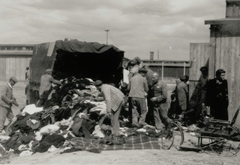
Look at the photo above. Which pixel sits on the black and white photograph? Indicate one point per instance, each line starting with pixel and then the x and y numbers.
pixel 128 82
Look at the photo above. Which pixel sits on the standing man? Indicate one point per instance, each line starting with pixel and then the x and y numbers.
pixel 27 88
pixel 202 89
pixel 45 86
pixel 27 74
pixel 217 96
pixel 182 95
pixel 133 68
pixel 114 100
pixel 159 101
pixel 138 91
pixel 6 102
pixel 150 116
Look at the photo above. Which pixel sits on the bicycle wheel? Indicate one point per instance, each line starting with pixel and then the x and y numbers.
pixel 178 134
pixel 173 137
pixel 167 139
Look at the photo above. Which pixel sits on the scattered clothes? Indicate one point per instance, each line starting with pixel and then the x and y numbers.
pixel 47 141
pixel 52 148
pixel 71 150
pixel 22 147
pixel 34 124
pixel 3 138
pixel 192 128
pixel 26 139
pixel 26 153
pixel 13 142
pixel 141 130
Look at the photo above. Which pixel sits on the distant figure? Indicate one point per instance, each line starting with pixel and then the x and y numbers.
pixel 138 91
pixel 159 101
pixel 27 88
pixel 217 96
pixel 45 86
pixel 6 102
pixel 114 100
pixel 27 74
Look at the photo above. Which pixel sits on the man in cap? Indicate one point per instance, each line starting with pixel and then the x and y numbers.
pixel 6 102
pixel 159 101
pixel 138 87
pixel 114 100
pixel 134 66
pixel 45 85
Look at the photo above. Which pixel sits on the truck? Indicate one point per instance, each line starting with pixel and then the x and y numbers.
pixel 75 58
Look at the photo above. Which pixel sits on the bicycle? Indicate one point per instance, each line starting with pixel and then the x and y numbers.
pixel 174 135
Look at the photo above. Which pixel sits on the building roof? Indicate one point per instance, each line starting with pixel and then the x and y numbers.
pixel 223 21
pixel 167 63
pixel 16 52
pixel 232 0
pixel 16 44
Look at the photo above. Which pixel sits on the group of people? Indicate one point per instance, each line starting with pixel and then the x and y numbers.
pixel 144 89
pixel 147 97
pixel 210 98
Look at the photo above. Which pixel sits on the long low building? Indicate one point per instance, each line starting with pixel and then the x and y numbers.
pixel 169 68
pixel 14 58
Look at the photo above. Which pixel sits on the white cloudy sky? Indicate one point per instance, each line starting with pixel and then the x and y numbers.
pixel 136 26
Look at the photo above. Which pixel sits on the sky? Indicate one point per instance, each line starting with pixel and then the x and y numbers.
pixel 165 27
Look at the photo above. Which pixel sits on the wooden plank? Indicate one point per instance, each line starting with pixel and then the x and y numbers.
pixel 199 56
pixel 2 68
pixel 237 76
pixel 230 74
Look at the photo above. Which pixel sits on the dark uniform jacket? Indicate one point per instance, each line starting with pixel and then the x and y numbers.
pixel 217 98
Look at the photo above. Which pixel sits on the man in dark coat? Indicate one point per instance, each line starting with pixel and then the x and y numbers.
pixel 159 101
pixel 217 96
pixel 182 95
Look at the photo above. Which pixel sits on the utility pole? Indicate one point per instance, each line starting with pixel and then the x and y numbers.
pixel 107 30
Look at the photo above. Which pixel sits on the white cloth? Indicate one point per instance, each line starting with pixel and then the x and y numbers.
pixel 100 107
pixel 31 109
pixel 49 129
pixel 125 76
pixel 98 132
pixel 26 153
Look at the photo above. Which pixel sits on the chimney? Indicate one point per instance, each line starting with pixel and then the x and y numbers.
pixel 151 55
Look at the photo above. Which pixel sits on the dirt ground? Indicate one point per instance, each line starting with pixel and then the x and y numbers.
pixel 166 157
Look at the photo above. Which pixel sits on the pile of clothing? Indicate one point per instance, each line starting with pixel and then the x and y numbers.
pixel 71 115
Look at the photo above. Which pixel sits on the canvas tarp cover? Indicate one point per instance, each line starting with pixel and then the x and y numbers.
pixel 75 46
pixel 45 56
